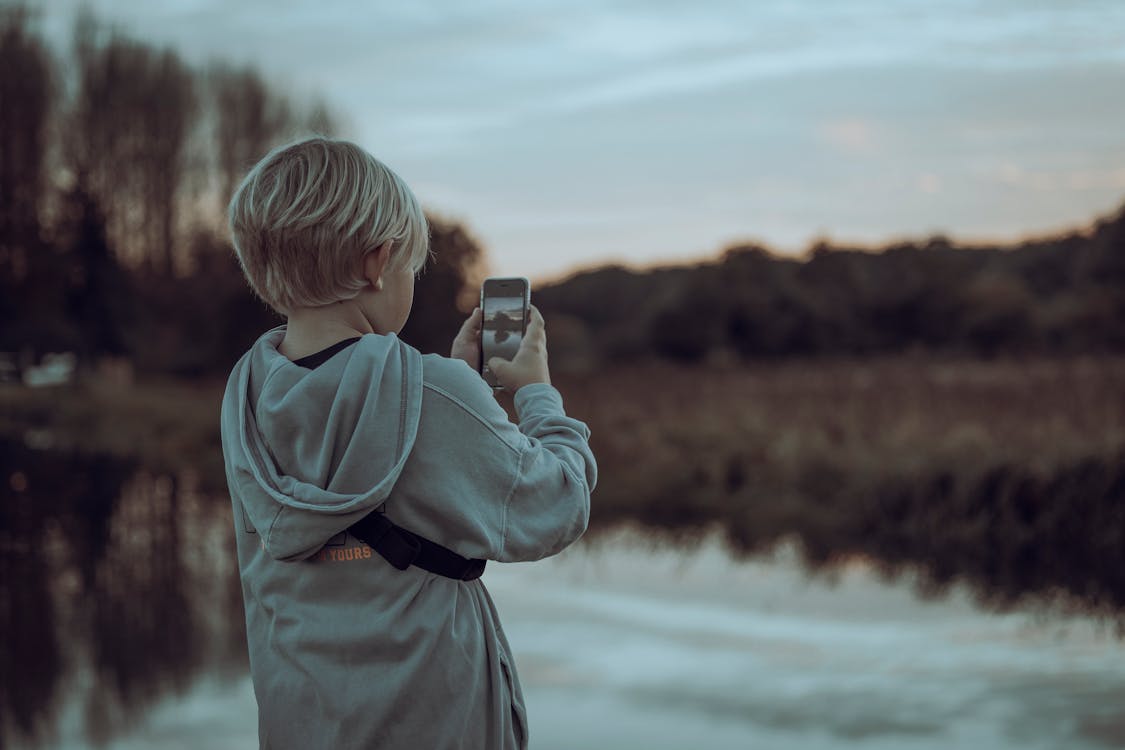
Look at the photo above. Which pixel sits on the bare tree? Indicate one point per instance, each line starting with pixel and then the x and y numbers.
pixel 27 91
pixel 133 112
pixel 249 120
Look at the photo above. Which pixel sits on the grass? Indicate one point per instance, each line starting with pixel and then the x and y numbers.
pixel 165 424
pixel 1007 475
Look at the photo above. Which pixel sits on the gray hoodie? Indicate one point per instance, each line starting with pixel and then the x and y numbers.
pixel 347 651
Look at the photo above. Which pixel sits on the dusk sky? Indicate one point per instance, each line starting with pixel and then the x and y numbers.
pixel 570 134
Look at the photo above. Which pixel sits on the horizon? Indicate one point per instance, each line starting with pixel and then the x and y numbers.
pixel 645 136
pixel 843 245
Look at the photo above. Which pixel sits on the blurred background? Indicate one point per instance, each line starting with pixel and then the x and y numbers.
pixel 839 288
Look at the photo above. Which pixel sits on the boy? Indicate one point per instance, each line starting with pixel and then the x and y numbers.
pixel 370 483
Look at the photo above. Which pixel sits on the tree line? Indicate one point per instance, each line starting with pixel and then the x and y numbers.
pixel 1056 295
pixel 117 159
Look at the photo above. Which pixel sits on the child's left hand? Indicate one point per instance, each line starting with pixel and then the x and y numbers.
pixel 466 346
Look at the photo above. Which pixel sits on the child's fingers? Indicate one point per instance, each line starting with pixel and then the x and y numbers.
pixel 536 328
pixel 530 363
pixel 498 366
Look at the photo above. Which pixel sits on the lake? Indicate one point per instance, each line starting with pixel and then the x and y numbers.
pixel 122 619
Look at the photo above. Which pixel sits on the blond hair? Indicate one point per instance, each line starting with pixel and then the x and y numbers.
pixel 306 215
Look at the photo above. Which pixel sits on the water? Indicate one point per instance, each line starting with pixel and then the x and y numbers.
pixel 121 618
pixel 655 648
pixel 623 645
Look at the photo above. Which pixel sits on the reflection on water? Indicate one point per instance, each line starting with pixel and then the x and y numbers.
pixel 121 624
pixel 656 648
pixel 117 587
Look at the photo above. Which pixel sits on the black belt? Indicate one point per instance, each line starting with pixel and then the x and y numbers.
pixel 402 548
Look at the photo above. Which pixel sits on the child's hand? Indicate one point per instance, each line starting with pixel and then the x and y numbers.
pixel 530 363
pixel 466 346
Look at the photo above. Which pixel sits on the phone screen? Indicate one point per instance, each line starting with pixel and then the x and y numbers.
pixel 504 304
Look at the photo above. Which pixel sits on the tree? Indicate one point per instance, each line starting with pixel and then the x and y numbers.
pixel 249 119
pixel 134 110
pixel 27 94
pixel 99 294
pixel 447 290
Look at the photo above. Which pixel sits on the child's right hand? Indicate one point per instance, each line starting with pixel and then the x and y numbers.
pixel 530 363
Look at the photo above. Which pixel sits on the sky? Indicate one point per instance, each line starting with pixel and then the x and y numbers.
pixel 570 134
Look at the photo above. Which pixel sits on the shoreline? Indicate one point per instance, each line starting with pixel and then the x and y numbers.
pixel 1005 474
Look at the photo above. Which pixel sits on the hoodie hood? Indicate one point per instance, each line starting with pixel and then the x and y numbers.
pixel 313 451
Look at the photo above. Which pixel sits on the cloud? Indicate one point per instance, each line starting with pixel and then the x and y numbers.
pixel 929 183
pixel 854 136
pixel 1091 178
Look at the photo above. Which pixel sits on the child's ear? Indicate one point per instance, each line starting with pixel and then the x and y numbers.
pixel 375 262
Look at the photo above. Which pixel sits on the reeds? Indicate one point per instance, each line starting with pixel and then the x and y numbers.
pixel 1008 475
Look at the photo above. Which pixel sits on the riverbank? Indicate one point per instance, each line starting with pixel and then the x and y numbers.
pixel 166 425
pixel 1006 474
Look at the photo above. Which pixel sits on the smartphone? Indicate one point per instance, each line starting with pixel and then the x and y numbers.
pixel 505 303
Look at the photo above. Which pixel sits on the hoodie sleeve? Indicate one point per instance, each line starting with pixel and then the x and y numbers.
pixel 548 506
pixel 516 492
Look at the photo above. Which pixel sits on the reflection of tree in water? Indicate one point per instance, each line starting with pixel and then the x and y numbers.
pixel 504 326
pixel 31 657
pixel 141 611
pixel 95 557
